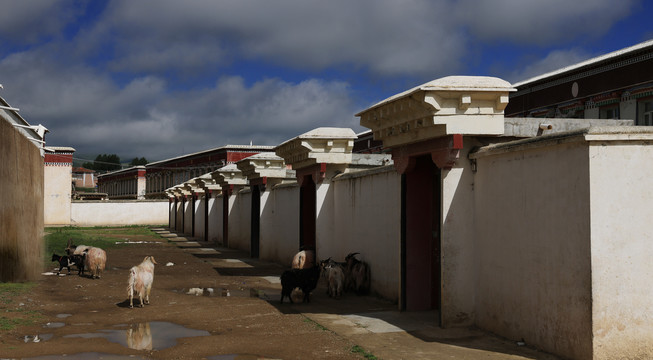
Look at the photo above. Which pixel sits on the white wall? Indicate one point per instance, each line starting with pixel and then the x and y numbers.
pixel 219 210
pixel 532 221
pixel 119 212
pixel 279 232
pixel 325 221
pixel 215 221
pixel 179 217
pixel 199 217
pixel 621 197
pixel 367 219
pixel 57 194
pixel 240 220
pixel 457 240
pixel 188 217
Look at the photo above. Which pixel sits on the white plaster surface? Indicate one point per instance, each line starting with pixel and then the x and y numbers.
pixel 57 194
pixel 95 213
pixel 366 219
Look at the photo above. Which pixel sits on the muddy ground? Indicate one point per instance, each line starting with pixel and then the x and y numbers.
pixel 86 318
pixel 241 318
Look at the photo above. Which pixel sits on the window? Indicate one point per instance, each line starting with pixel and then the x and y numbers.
pixel 646 113
pixel 609 113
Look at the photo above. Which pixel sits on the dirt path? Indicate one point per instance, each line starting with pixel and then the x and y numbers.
pixel 242 319
pixel 91 317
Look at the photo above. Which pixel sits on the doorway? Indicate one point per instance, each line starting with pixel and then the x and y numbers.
pixel 255 231
pixel 307 213
pixel 420 240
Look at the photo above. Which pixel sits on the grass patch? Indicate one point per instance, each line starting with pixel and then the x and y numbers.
pixel 317 326
pixel 12 313
pixel 103 237
pixel 359 350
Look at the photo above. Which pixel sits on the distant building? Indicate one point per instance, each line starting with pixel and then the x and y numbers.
pixel 123 184
pixel 57 190
pixel 365 144
pixel 617 85
pixel 84 178
pixel 164 174
pixel 151 180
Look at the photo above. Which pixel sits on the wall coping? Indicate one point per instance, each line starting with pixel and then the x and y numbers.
pixel 604 134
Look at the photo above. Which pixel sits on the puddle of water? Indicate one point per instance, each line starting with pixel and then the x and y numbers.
pixel 155 335
pixel 63 316
pixel 37 338
pixel 86 356
pixel 54 325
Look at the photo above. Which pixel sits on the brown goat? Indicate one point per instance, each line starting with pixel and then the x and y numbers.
pixel 141 278
pixel 357 275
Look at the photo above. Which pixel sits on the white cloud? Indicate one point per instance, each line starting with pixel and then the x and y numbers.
pixel 87 110
pixel 387 37
pixel 540 22
pixel 555 60
pixel 27 21
pixel 108 89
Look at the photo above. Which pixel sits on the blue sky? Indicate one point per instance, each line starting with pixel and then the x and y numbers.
pixel 159 79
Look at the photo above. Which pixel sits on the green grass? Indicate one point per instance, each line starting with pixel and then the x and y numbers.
pixel 318 326
pixel 8 304
pixel 56 239
pixel 359 350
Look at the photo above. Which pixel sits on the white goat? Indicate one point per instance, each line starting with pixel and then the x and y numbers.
pixel 141 278
pixel 95 261
pixel 139 337
pixel 335 277
pixel 303 260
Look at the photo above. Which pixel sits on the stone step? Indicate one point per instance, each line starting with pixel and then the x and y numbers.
pixel 201 251
pixel 188 244
pixel 172 235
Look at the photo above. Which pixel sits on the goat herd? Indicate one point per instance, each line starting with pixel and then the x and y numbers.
pixel 94 260
pixel 350 275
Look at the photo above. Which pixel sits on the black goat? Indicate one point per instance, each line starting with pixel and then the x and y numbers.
pixel 305 279
pixel 78 260
pixel 64 262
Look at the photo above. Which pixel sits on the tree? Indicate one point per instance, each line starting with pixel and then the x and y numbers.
pixel 136 161
pixel 104 162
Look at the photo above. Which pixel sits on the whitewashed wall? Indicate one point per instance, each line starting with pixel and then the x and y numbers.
pixel 179 217
pixel 218 210
pixel 119 212
pixel 200 217
pixel 532 222
pixel 457 238
pixel 188 217
pixel 214 230
pixel 57 194
pixel 622 300
pixel 279 239
pixel 325 221
pixel 367 219
pixel 240 220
